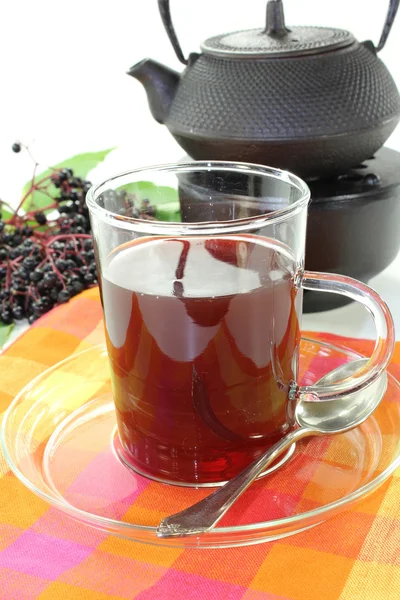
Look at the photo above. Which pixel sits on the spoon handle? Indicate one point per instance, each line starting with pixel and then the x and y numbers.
pixel 203 515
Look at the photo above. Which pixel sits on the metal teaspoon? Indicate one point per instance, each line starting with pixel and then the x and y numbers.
pixel 313 418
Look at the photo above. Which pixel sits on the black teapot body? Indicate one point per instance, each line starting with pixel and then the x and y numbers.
pixel 312 100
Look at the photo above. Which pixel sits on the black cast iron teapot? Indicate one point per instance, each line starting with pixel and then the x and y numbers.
pixel 313 100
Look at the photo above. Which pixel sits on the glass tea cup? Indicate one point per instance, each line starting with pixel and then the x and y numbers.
pixel 201 272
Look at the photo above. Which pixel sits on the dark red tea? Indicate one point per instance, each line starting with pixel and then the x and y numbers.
pixel 202 336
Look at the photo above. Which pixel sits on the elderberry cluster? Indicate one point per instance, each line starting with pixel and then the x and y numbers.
pixel 46 254
pixel 125 204
pixel 71 203
pixel 35 276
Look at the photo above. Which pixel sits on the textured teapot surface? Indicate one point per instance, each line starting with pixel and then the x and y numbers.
pixel 309 99
pixel 337 104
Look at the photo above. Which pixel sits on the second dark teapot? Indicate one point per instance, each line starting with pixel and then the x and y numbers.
pixel 312 100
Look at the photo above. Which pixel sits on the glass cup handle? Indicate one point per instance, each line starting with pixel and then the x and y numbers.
pixel 385 339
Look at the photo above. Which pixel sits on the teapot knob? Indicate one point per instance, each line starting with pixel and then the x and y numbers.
pixel 275 25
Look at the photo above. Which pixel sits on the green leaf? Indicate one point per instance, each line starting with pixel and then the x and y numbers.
pixel 81 164
pixel 5 331
pixel 169 212
pixel 5 210
pixel 164 199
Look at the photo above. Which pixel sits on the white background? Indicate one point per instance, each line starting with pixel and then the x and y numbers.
pixel 64 87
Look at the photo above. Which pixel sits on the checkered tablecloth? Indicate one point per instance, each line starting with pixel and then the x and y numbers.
pixel 46 556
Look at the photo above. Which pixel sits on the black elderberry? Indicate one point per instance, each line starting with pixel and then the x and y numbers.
pixel 49 279
pixel 63 175
pixel 19 286
pixel 88 244
pixel 17 239
pixel 36 275
pixel 55 179
pixel 6 317
pixel 46 303
pixel 88 278
pixel 18 313
pixel 40 218
pixel 79 220
pixel 63 296
pixel 24 251
pixel 73 195
pixel 70 290
pixel 61 265
pixel 70 264
pixel 57 245
pixel 79 262
pixel 77 286
pixel 23 274
pixel 37 308
pixel 64 209
pixel 53 294
pixel 29 263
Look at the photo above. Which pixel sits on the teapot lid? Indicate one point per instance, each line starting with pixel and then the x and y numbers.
pixel 276 40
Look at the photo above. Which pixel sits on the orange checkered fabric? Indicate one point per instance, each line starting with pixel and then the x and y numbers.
pixel 44 555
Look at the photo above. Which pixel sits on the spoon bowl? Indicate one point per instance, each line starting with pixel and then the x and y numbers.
pixel 342 414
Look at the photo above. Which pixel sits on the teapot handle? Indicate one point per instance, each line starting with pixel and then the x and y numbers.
pixel 391 14
pixel 163 6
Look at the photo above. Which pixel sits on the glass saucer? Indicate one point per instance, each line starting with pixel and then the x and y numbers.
pixel 57 437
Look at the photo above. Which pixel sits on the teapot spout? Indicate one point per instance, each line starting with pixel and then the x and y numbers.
pixel 160 83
